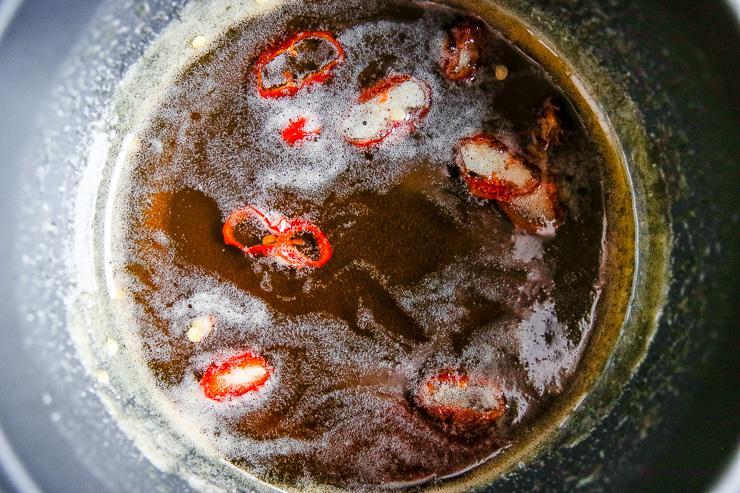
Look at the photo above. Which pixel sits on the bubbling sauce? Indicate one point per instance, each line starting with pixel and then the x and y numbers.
pixel 440 326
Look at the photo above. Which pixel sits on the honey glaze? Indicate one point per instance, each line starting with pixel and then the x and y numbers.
pixel 375 269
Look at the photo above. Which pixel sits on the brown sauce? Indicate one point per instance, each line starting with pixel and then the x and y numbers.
pixel 423 276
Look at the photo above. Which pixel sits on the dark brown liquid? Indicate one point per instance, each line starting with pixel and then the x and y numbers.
pixel 423 276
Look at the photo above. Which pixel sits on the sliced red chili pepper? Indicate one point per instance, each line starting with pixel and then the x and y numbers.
pixel 457 398
pixel 463 50
pixel 227 380
pixel 549 127
pixel 492 171
pixel 538 211
pixel 296 131
pixel 284 241
pixel 310 71
pixel 395 103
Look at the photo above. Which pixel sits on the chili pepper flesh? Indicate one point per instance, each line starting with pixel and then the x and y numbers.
pixel 537 212
pixel 463 51
pixel 291 86
pixel 549 129
pixel 457 399
pixel 528 196
pixel 227 380
pixel 282 243
pixel 492 171
pixel 398 102
pixel 296 131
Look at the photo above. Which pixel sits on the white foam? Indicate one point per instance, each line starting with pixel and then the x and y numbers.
pixel 544 349
pixel 527 246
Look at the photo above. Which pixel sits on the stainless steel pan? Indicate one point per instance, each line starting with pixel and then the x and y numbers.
pixel 668 421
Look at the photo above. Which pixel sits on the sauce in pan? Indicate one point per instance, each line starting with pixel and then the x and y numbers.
pixel 363 247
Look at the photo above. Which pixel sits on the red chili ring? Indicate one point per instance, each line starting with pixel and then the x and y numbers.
pixel 384 86
pixel 290 87
pixel 489 188
pixel 215 389
pixel 456 414
pixel 283 250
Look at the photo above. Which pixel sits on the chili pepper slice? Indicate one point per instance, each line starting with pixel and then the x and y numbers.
pixel 296 131
pixel 275 69
pixel 492 171
pixel 283 241
pixel 227 380
pixel 463 50
pixel 538 211
pixel 456 398
pixel 549 127
pixel 395 103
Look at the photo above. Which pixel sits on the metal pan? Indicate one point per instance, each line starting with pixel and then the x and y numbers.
pixel 670 420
